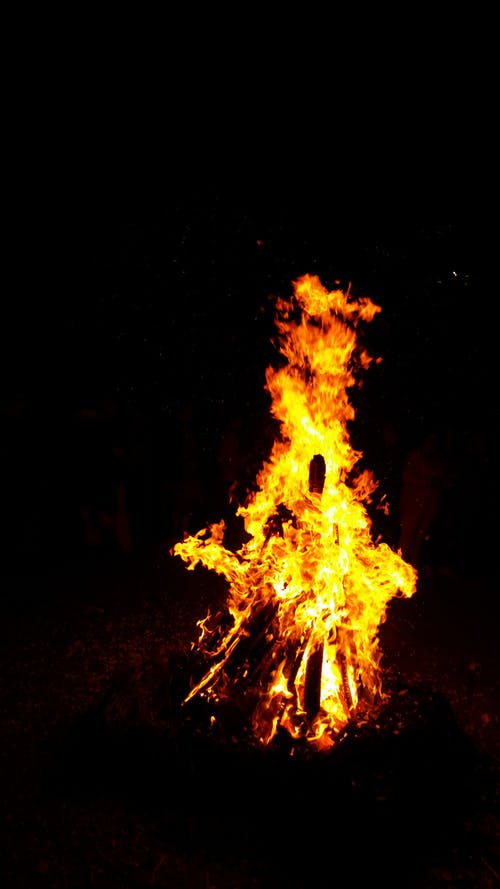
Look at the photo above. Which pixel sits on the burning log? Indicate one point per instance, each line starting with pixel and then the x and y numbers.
pixel 274 524
pixel 342 659
pixel 308 588
pixel 254 641
pixel 317 474
pixel 242 651
pixel 312 684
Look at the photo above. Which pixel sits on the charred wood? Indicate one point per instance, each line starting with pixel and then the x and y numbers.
pixel 252 639
pixel 317 474
pixel 274 524
pixel 312 685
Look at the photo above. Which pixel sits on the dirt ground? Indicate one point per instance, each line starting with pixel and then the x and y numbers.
pixel 105 787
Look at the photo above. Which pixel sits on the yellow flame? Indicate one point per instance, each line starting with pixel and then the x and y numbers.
pixel 309 588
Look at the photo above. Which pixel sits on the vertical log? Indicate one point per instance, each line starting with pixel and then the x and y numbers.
pixel 314 667
pixel 347 700
pixel 317 474
pixel 312 683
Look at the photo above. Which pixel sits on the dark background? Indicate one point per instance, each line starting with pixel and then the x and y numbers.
pixel 135 325
pixel 125 338
pixel 129 347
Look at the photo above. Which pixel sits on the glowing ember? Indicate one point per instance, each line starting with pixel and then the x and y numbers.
pixel 308 590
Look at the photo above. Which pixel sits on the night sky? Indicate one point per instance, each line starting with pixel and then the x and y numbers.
pixel 156 315
pixel 182 307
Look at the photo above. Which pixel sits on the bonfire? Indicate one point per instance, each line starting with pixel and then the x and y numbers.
pixel 296 646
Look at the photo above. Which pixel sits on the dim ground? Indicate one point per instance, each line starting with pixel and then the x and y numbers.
pixel 151 803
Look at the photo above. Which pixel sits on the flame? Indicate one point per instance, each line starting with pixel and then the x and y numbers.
pixel 308 589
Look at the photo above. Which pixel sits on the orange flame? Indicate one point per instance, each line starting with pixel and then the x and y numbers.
pixel 309 588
